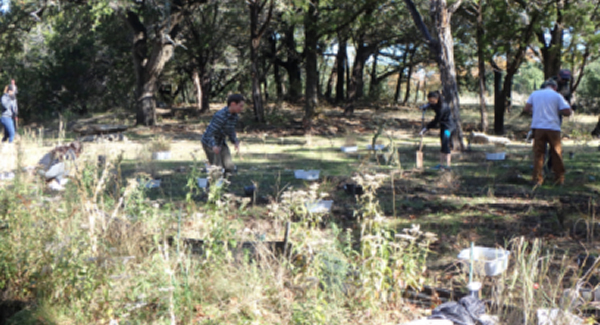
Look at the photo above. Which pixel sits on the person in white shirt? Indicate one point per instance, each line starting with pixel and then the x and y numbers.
pixel 546 105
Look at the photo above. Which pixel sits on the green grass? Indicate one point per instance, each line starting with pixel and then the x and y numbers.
pixel 63 255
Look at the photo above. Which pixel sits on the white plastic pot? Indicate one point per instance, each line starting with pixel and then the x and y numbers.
pixel 495 156
pixel 309 175
pixel 202 182
pixel 323 206
pixel 161 155
pixel 486 261
pixel 153 183
pixel 350 149
pixel 377 147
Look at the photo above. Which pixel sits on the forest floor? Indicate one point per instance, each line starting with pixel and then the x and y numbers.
pixel 490 203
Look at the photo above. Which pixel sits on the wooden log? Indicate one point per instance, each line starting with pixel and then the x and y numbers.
pixel 95 129
pixel 482 138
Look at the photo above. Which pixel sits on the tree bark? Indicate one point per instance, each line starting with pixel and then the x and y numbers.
pixel 198 88
pixel 481 67
pixel 409 77
pixel 332 77
pixel 442 49
pixel 257 30
pixel 276 72
pixel 401 73
pixel 498 103
pixel 552 51
pixel 149 67
pixel 417 92
pixel 363 52
pixel 292 65
pixel 342 61
pixel 374 85
pixel 311 38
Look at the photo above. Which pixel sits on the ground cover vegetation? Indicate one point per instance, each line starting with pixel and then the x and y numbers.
pixel 317 75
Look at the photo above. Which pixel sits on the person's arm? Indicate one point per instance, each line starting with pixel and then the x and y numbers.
pixel 434 123
pixel 528 108
pixel 233 136
pixel 564 107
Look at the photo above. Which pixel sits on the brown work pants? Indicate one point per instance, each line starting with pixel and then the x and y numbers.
pixel 223 159
pixel 541 138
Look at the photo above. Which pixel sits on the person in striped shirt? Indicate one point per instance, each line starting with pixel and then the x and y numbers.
pixel 221 127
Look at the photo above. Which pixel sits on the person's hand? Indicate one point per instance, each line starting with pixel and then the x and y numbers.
pixel 423 131
pixel 237 147
pixel 217 150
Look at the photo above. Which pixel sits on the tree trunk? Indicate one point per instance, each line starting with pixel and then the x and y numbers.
pixel 259 111
pixel 552 51
pixel 374 85
pixel 409 77
pixel 342 61
pixel 206 85
pixel 292 66
pixel 356 89
pixel 401 73
pixel 332 77
pixel 417 92
pixel 498 103
pixel 198 88
pixel 446 63
pixel 311 39
pixel 148 67
pixel 442 49
pixel 481 67
pixel 276 73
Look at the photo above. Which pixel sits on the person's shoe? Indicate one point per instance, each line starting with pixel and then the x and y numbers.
pixel 437 167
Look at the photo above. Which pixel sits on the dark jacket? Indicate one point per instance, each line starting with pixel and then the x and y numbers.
pixel 221 126
pixel 443 117
pixel 9 106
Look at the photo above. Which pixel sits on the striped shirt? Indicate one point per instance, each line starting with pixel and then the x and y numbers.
pixel 221 126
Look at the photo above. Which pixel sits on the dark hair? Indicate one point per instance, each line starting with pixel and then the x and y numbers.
pixel 235 98
pixel 434 94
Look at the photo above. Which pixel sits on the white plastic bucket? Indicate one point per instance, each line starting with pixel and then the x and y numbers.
pixel 377 147
pixel 323 206
pixel 309 175
pixel 202 182
pixel 349 149
pixel 486 261
pixel 161 155
pixel 495 156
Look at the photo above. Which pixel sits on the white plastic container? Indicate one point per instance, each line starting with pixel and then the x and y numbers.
pixel 377 147
pixel 486 261
pixel 161 155
pixel 323 206
pixel 349 149
pixel 310 175
pixel 153 183
pixel 202 182
pixel 495 156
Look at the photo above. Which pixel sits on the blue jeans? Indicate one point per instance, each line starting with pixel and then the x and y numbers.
pixel 9 129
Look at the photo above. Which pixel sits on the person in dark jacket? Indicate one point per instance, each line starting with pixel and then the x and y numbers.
pixel 221 127
pixel 10 113
pixel 444 120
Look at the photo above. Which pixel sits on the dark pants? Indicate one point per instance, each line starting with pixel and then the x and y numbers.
pixel 551 138
pixel 223 159
pixel 9 129
pixel 445 136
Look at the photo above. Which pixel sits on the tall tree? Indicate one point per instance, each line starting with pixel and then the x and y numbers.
pixel 442 49
pixel 152 50
pixel 257 29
